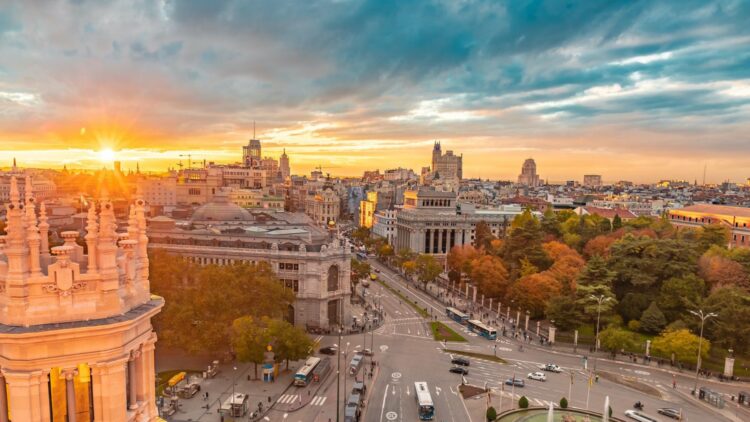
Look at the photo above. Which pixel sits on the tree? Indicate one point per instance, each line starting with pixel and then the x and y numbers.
pixel 721 271
pixel 563 403
pixel 410 268
pixel 359 271
pixel 534 292
pixel 289 342
pixel 491 414
pixel 679 294
pixel 490 275
pixel 459 258
pixel 616 339
pixel 599 246
pixel 588 299
pixel 361 234
pixel 483 236
pixel 524 241
pixel 596 272
pixel 249 340
pixel 652 320
pixel 565 311
pixel 616 222
pixel 523 402
pixel 682 343
pixel 566 267
pixel 550 224
pixel 428 269
pixel 385 251
pixel 631 306
pixel 713 234
pixel 404 255
pixel 730 328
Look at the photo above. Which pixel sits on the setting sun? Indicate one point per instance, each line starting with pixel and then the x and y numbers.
pixel 106 155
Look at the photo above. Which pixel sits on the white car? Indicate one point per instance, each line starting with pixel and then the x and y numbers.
pixel 538 376
pixel 640 417
pixel 551 367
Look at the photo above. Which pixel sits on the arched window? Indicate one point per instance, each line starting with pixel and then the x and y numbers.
pixel 333 278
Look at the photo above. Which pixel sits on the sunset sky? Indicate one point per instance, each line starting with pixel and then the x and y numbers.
pixel 637 90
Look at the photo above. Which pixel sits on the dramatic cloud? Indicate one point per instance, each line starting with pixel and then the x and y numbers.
pixel 631 89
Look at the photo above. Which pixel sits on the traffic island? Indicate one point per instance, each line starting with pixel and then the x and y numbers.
pixel 541 414
pixel 468 391
pixel 441 332
pixel 630 382
pixel 491 358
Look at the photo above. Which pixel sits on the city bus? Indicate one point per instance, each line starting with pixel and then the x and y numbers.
pixel 456 315
pixel 425 407
pixel 305 374
pixel 483 330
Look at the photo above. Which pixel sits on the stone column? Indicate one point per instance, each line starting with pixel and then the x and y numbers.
pixel 110 398
pixel 526 327
pixel 70 394
pixel 148 376
pixel 28 395
pixel 132 382
pixel 3 400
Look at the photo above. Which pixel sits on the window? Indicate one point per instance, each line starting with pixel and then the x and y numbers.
pixel 333 278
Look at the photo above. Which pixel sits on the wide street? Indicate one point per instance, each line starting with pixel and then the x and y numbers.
pixel 405 353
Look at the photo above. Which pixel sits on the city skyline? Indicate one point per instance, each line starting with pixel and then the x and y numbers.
pixel 609 90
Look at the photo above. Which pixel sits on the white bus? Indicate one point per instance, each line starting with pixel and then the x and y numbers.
pixel 305 374
pixel 425 407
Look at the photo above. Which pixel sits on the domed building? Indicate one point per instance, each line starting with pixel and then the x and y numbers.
pixel 220 210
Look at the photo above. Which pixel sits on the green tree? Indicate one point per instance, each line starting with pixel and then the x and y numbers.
pixel 428 269
pixel 631 306
pixel 588 299
pixel 616 222
pixel 410 268
pixel 616 339
pixel 359 271
pixel 491 414
pixel 361 234
pixel 565 311
pixel 652 320
pixel 385 251
pixel 249 340
pixel 289 342
pixel 525 241
pixel 679 294
pixel 682 343
pixel 713 234
pixel 730 328
pixel 596 272
pixel 404 255
pixel 550 224
pixel 523 402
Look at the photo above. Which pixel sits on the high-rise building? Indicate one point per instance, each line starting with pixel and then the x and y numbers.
pixel 446 166
pixel 592 180
pixel 528 176
pixel 251 154
pixel 284 166
pixel 77 341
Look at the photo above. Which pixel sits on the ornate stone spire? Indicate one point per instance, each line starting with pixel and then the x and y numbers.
pixel 32 232
pixel 92 234
pixel 44 230
pixel 132 225
pixel 16 248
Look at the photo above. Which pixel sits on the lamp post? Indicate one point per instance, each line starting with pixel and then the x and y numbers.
pixel 599 299
pixel 338 377
pixel 346 353
pixel 703 318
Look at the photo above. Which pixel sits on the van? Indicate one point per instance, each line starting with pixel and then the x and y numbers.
pixel 355 364
pixel 640 417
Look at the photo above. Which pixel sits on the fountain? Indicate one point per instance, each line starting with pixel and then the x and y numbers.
pixel 605 414
pixel 551 413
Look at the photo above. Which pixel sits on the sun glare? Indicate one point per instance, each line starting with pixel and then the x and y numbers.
pixel 106 155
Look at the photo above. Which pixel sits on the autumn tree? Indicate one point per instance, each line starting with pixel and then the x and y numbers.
pixel 524 241
pixel 720 271
pixel 730 328
pixel 490 275
pixel 359 271
pixel 404 255
pixel 483 236
pixel 713 234
pixel 599 246
pixel 616 339
pixel 460 257
pixel 551 224
pixel 409 268
pixel 682 343
pixel 249 340
pixel 428 269
pixel 533 293
pixel 385 251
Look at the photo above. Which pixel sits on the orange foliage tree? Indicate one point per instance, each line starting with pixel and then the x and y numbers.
pixel 533 292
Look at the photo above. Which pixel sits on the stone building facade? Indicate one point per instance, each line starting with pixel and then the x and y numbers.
pixel 76 340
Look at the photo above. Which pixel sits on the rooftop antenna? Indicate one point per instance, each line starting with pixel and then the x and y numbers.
pixel 253 129
pixel 704 174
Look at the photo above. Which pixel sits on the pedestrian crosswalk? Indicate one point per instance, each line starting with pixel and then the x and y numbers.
pixel 288 398
pixel 318 400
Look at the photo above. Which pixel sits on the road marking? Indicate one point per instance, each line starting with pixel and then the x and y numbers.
pixel 438 390
pixel 385 395
pixel 383 348
pixel 396 375
pixel 286 415
pixel 408 391
pixel 391 416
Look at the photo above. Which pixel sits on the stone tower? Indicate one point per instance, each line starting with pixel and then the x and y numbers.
pixel 76 340
pixel 436 154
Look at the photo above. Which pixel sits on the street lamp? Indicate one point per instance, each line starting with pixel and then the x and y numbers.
pixel 338 377
pixel 703 318
pixel 346 353
pixel 599 299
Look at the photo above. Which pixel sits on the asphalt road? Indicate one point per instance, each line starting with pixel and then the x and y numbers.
pixel 406 353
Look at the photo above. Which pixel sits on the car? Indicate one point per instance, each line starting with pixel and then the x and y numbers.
pixel 537 376
pixel 328 350
pixel 460 361
pixel 669 412
pixel 551 367
pixel 460 370
pixel 640 417
pixel 518 382
pixel 377 270
pixel 366 352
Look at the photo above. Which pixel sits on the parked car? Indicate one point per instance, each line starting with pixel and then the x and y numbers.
pixel 329 350
pixel 551 367
pixel 640 417
pixel 460 361
pixel 518 382
pixel 669 412
pixel 366 352
pixel 460 370
pixel 377 270
pixel 537 376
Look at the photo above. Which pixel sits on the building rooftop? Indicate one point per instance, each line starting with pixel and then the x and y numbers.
pixel 718 210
